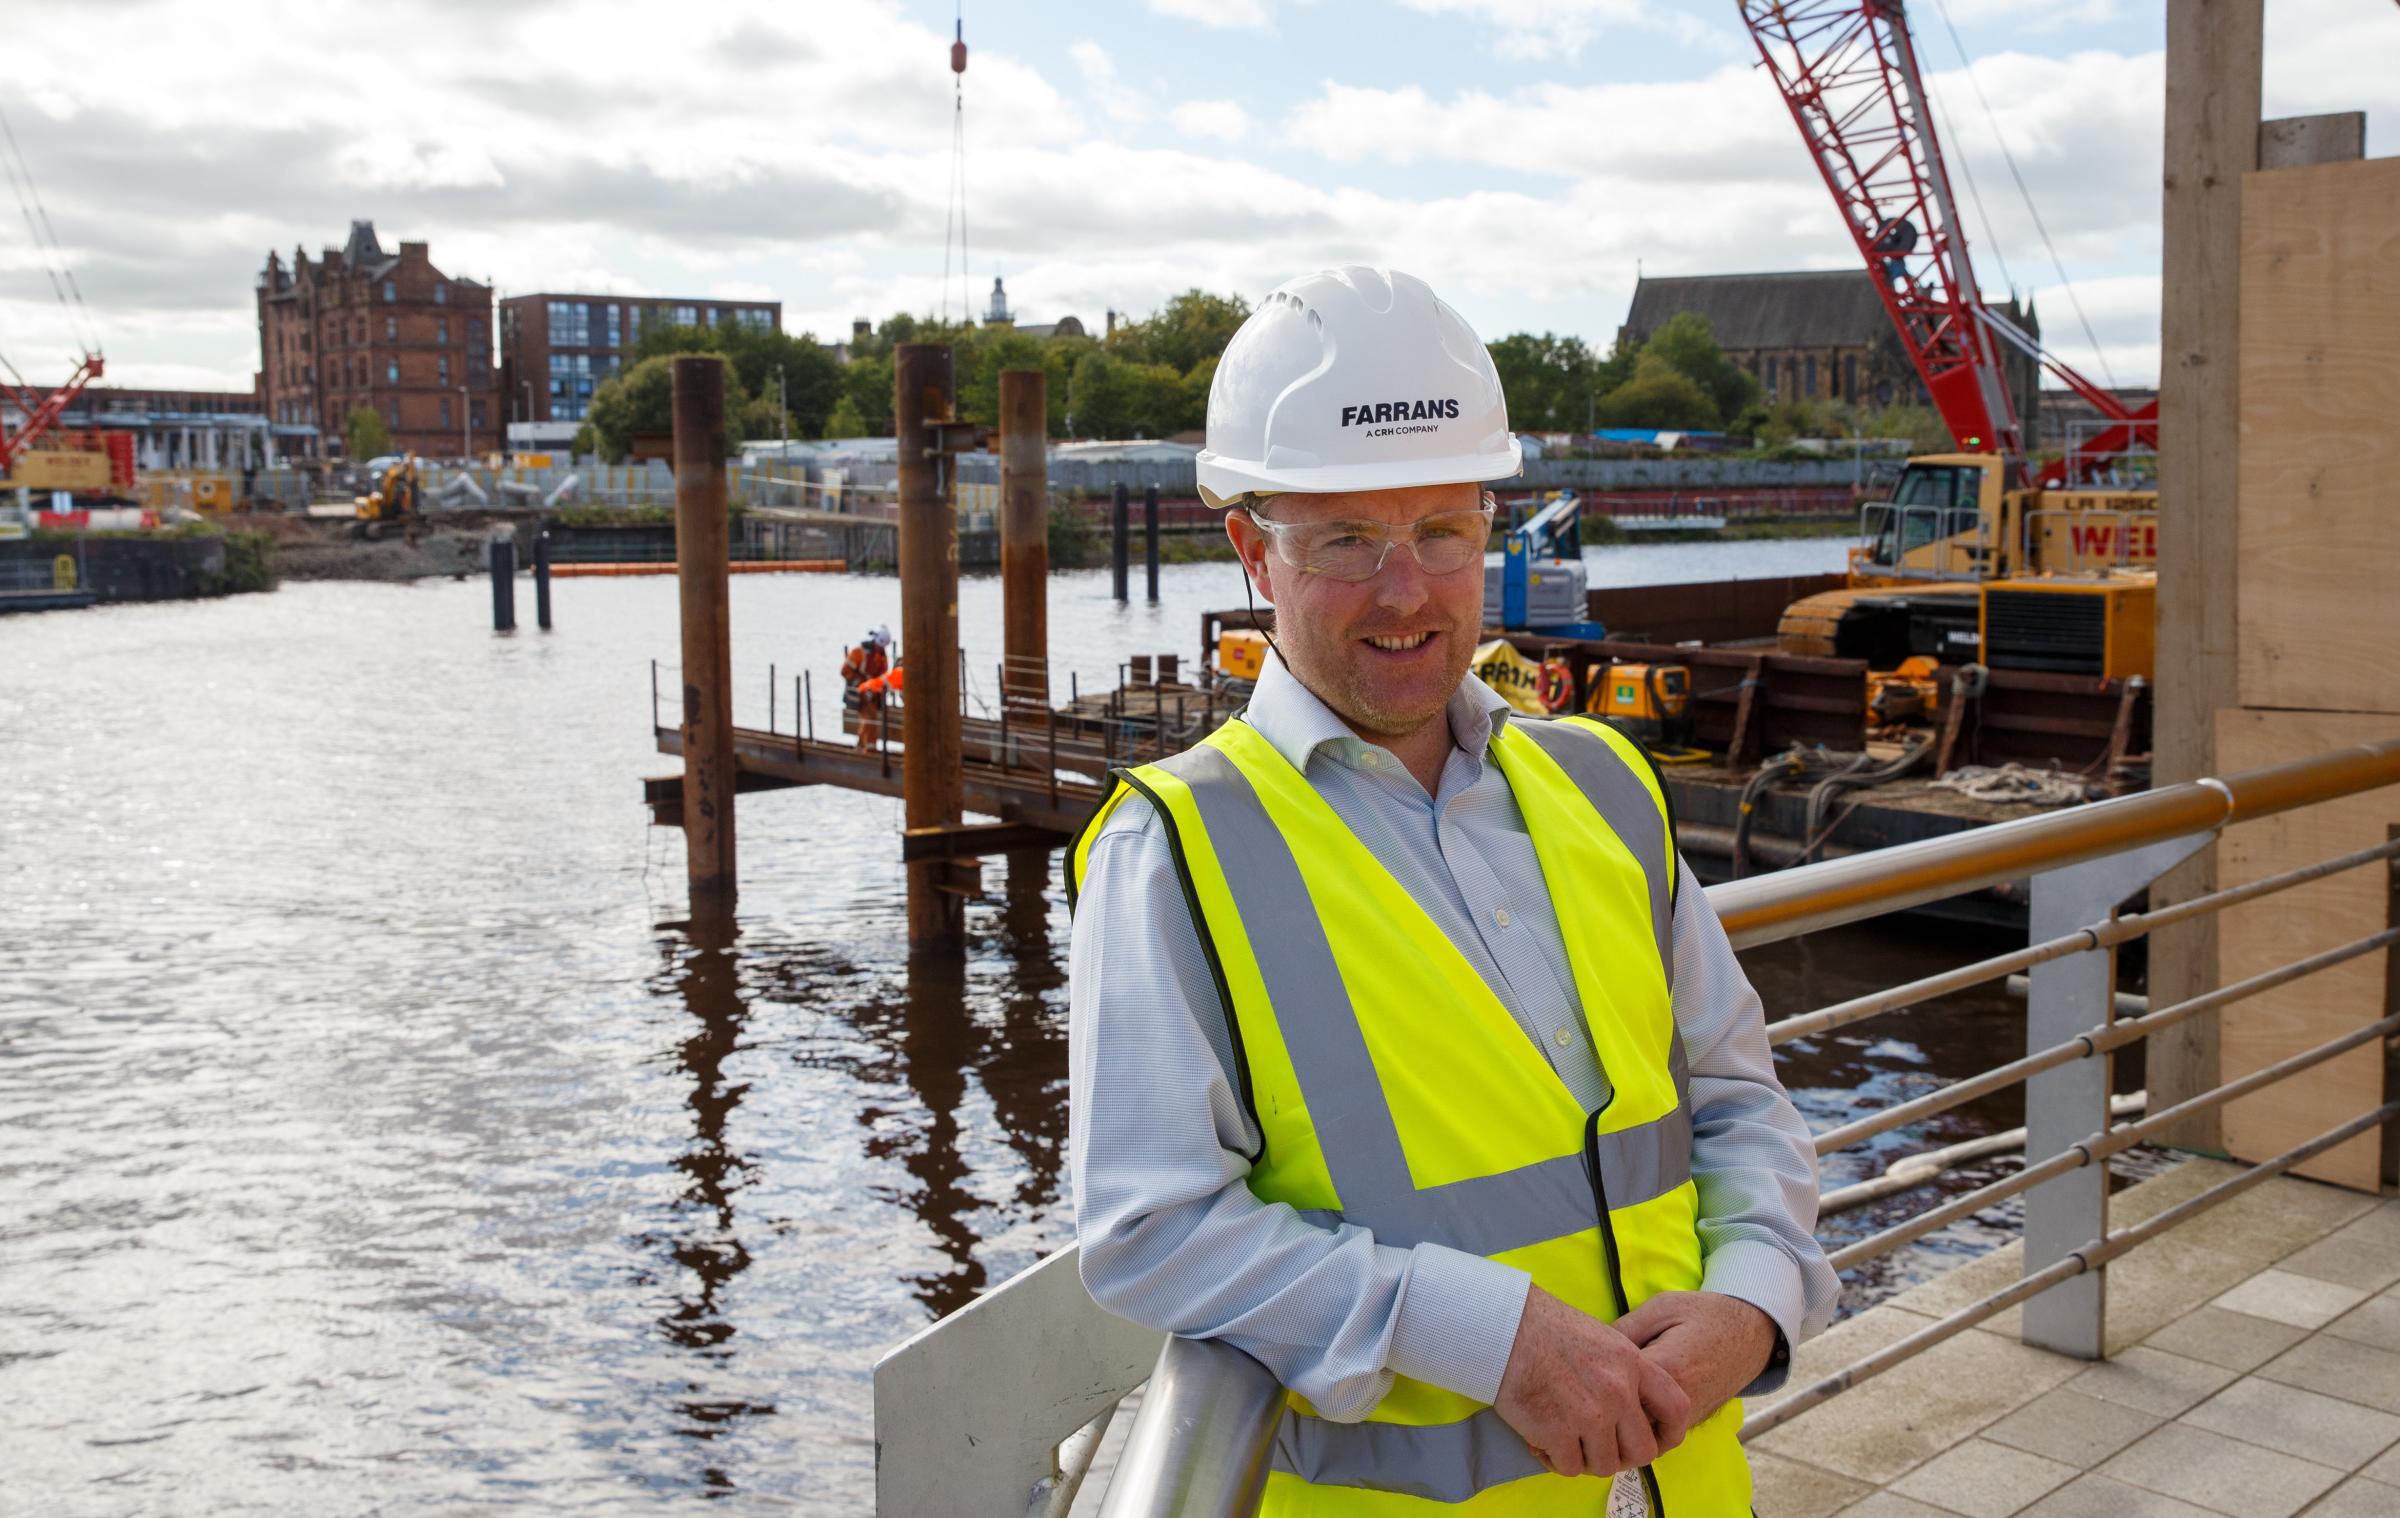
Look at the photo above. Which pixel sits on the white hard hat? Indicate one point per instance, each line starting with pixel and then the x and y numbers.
pixel 1354 379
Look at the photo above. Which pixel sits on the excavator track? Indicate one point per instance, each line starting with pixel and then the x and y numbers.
pixel 1812 624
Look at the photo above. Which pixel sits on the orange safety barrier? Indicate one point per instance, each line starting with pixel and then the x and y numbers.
pixel 738 566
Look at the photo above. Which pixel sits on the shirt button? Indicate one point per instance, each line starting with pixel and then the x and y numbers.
pixel 1372 759
pixel 1500 916
pixel 1563 1038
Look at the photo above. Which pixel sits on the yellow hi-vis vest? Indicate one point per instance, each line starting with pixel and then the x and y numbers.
pixel 1393 1089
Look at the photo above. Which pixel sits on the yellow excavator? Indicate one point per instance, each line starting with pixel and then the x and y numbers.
pixel 1965 565
pixel 394 501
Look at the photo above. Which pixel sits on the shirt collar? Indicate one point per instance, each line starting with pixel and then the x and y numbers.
pixel 1296 723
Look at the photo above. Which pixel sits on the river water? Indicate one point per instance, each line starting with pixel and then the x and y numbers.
pixel 375 1135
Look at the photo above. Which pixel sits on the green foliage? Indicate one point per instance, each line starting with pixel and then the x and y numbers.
pixel 1074 541
pixel 1921 425
pixel 641 400
pixel 1152 380
pixel 1658 395
pixel 364 434
pixel 845 420
pixel 1549 381
pixel 586 440
pixel 249 561
pixel 1689 345
pixel 811 379
pixel 1193 326
pixel 593 515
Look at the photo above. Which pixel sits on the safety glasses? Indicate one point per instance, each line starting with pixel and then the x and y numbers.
pixel 1444 543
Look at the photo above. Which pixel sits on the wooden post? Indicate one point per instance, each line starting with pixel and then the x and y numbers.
pixel 1117 543
pixel 1025 537
pixel 701 528
pixel 2211 141
pixel 932 787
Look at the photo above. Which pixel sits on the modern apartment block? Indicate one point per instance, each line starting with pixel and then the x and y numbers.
pixel 360 327
pixel 556 348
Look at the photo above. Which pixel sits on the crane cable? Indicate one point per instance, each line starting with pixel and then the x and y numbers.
pixel 2032 210
pixel 45 238
pixel 955 213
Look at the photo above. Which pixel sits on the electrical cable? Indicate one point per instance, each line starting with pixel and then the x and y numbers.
pixel 1991 238
pixel 2034 211
pixel 21 180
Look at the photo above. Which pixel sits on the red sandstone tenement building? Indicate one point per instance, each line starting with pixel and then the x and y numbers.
pixel 360 327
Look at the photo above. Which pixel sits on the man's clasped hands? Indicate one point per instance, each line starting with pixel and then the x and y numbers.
pixel 1594 1398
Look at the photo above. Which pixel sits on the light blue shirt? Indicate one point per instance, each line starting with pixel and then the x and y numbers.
pixel 1171 1235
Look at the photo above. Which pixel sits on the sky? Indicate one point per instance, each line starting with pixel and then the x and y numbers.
pixel 1529 158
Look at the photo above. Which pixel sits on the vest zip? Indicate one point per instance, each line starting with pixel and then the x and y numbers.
pixel 1608 1248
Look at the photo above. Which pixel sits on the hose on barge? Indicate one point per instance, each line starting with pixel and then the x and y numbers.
pixel 1836 772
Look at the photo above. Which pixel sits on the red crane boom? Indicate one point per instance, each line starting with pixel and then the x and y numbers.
pixel 41 413
pixel 1847 69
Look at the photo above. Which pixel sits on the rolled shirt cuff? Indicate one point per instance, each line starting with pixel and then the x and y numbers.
pixel 1458 1321
pixel 1770 1280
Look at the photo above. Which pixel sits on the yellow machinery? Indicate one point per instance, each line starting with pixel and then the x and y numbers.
pixel 1650 703
pixel 2102 626
pixel 393 500
pixel 1242 654
pixel 1956 531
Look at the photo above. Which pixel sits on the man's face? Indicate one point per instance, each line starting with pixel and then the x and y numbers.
pixel 1386 652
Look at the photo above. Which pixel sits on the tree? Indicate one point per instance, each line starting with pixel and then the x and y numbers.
pixel 641 400
pixel 364 434
pixel 845 420
pixel 1100 396
pixel 978 369
pixel 1687 343
pixel 758 357
pixel 867 385
pixel 1549 381
pixel 1658 395
pixel 1193 326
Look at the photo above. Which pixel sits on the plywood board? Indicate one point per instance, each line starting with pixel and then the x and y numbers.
pixel 2319 472
pixel 2293 924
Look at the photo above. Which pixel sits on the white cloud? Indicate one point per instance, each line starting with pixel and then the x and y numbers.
pixel 1100 81
pixel 1225 15
pixel 1223 120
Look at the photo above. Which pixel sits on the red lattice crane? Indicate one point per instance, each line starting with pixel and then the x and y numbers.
pixel 41 412
pixel 1848 71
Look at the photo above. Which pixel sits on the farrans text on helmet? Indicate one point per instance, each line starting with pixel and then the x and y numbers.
pixel 1379 412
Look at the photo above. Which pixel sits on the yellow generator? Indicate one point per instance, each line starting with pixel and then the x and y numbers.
pixel 2073 625
pixel 1242 654
pixel 1649 703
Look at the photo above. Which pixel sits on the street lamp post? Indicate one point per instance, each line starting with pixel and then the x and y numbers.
pixel 466 428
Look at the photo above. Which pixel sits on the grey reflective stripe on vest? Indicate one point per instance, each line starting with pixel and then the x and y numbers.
pixel 1626 805
pixel 1483 1215
pixel 1440 1462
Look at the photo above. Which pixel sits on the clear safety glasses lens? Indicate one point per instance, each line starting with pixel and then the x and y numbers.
pixel 1444 544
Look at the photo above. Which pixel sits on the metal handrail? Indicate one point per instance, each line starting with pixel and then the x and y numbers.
pixel 1201 1441
pixel 1769 908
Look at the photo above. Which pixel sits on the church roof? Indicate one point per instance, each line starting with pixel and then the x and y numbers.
pixel 1816 308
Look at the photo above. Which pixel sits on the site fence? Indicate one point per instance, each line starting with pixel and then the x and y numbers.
pixel 1000 1407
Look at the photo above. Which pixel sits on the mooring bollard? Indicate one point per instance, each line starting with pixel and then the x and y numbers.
pixel 1150 537
pixel 1117 533
pixel 503 550
pixel 541 578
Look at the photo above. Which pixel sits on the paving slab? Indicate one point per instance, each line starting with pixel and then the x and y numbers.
pixel 2067 1426
pixel 2341 1368
pixel 2359 1498
pixel 2297 1421
pixel 2226 1475
pixel 2375 1322
pixel 2098 1496
pixel 1893 1505
pixel 2266 1223
pixel 2302 1301
pixel 2358 1262
pixel 2235 1340
pixel 1985 1480
pixel 2384 1468
pixel 1920 1407
pixel 1790 1489
pixel 2153 1380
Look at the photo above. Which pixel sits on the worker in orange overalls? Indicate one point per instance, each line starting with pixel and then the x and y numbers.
pixel 870 704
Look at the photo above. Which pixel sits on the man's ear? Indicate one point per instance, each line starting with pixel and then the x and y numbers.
pixel 1254 548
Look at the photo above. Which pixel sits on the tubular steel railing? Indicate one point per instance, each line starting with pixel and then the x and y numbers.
pixel 1200 1443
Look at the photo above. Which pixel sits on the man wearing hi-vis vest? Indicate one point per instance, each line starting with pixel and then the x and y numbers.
pixel 1407 1056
